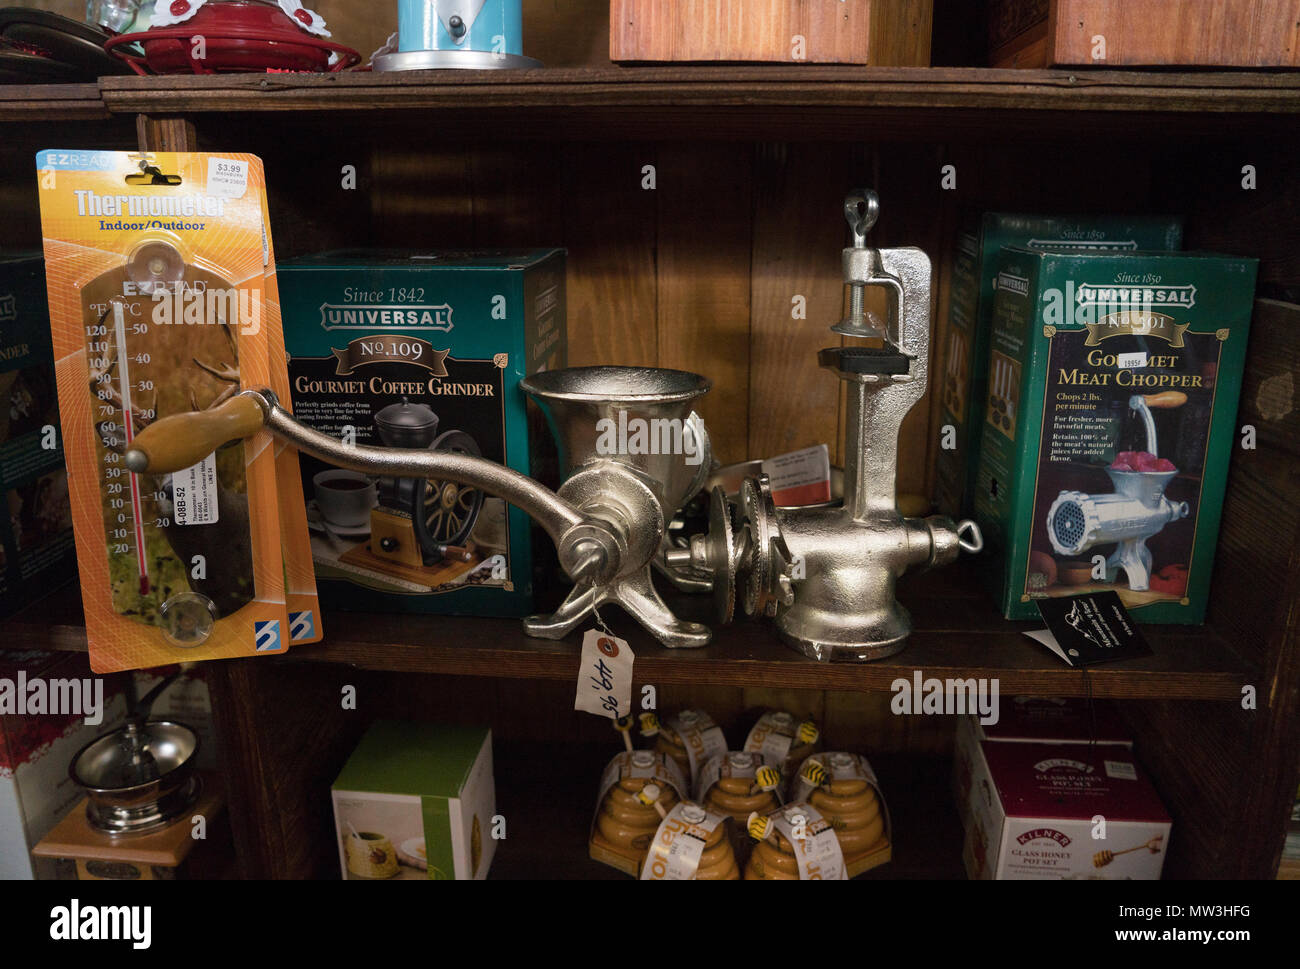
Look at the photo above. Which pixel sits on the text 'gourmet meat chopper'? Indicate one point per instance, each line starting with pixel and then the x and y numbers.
pixel 826 574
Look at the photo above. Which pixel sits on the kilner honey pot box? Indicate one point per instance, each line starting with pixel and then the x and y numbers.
pixel 1112 397
pixel 422 351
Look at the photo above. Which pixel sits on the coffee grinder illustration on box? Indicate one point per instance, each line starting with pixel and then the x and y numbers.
pixel 422 350
pixel 406 534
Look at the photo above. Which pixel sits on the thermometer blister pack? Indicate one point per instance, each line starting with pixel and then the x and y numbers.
pixel 162 301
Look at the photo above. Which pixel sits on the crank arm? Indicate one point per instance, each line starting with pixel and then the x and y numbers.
pixel 585 544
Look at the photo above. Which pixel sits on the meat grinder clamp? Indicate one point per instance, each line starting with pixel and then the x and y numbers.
pixel 826 574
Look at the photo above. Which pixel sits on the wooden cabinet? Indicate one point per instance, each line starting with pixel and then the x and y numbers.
pixel 696 204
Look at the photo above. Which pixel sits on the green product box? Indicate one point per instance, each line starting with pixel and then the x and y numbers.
pixel 422 350
pixel 36 549
pixel 964 342
pixel 417 801
pixel 1113 385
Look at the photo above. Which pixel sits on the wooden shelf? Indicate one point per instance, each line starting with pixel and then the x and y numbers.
pixel 958 635
pixel 795 101
pixel 51 102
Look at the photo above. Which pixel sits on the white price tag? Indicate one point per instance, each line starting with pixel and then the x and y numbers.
pixel 194 494
pixel 227 178
pixel 1121 771
pixel 800 477
pixel 604 676
pixel 1131 361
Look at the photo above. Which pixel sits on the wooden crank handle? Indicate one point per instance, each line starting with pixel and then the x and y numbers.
pixel 1168 398
pixel 180 441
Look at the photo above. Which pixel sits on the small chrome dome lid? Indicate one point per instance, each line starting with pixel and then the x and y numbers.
pixel 138 754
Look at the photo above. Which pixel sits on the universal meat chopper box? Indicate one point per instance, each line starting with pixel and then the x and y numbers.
pixel 422 350
pixel 37 553
pixel 1052 811
pixel 417 801
pixel 964 336
pixel 1029 720
pixel 1113 388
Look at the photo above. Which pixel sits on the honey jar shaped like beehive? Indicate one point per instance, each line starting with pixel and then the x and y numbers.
pixel 843 788
pixel 738 784
pixel 626 814
pixel 794 843
pixel 783 740
pixel 690 739
pixel 691 845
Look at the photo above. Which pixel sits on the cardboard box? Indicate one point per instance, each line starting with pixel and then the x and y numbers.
pixel 422 350
pixel 1030 720
pixel 1090 354
pixel 964 338
pixel 1037 811
pixel 417 801
pixel 37 553
pixel 883 33
pixel 36 749
pixel 1228 33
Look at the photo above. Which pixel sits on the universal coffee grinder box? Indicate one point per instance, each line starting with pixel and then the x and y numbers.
pixel 964 340
pixel 421 350
pixel 36 547
pixel 1113 386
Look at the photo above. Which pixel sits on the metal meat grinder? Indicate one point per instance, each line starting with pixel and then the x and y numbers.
pixel 826 574
pixel 633 452
pixel 1136 511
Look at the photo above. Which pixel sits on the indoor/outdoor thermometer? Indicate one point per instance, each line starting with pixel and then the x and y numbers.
pixel 178 545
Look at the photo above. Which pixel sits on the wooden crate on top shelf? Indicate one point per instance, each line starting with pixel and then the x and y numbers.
pixel 1149 33
pixel 882 33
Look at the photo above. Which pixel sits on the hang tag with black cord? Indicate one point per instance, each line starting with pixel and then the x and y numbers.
pixel 604 675
pixel 1087 629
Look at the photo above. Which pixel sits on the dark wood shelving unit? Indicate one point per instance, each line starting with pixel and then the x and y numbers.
pixel 752 161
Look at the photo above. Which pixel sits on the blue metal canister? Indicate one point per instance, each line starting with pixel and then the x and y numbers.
pixel 483 34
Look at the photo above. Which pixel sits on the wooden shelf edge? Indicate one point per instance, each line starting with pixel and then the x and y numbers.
pixel 960 637
pixel 52 102
pixel 745 88
pixel 754 88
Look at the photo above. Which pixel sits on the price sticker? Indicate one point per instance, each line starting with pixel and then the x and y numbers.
pixel 194 494
pixel 227 178
pixel 604 675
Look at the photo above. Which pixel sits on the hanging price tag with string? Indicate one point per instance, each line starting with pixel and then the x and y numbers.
pixel 604 675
